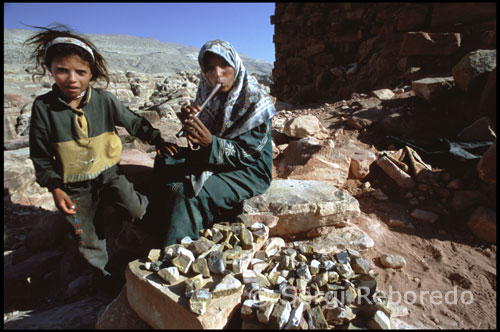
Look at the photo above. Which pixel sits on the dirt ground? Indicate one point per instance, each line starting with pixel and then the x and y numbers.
pixel 449 281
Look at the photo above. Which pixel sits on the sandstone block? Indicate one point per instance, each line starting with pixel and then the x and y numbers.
pixel 431 89
pixel 424 43
pixel 303 205
pixel 303 126
pixel 165 307
pixel 483 224
pixel 118 315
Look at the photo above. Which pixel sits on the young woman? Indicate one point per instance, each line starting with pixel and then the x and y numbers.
pixel 73 141
pixel 229 158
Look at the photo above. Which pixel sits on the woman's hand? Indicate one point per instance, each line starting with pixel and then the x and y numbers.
pixel 63 202
pixel 186 112
pixel 197 133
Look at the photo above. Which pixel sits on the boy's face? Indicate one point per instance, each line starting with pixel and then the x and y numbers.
pixel 72 75
pixel 217 70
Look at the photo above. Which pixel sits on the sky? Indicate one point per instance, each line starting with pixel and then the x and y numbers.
pixel 246 25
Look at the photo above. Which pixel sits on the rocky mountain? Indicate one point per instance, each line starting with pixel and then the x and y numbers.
pixel 127 53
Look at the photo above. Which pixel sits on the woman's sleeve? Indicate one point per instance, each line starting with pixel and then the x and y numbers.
pixel 243 151
pixel 41 153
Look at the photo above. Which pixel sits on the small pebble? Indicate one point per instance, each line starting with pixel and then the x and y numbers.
pixel 392 261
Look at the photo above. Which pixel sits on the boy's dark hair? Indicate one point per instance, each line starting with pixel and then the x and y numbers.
pixel 43 61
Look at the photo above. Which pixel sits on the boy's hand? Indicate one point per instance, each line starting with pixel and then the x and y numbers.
pixel 169 148
pixel 63 202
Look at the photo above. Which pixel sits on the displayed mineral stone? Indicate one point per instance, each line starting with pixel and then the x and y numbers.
pixel 216 262
pixel 380 321
pixel 314 267
pixel 248 309
pixel 246 237
pixel 366 283
pixel 185 241
pixel 232 253
pixel 261 279
pixel 328 265
pixel 295 317
pixel 344 270
pixel 321 279
pixel 249 276
pixel 193 284
pixel 154 255
pixel 359 265
pixel 217 236
pixel 316 320
pixel 228 285
pixel 241 263
pixel 170 252
pixel 169 274
pixel 343 257
pixel 303 272
pixel 200 246
pixel 200 300
pixel 281 314
pixel 259 235
pixel 183 260
pixel 264 312
pixel 273 246
pixel 258 265
pixel 350 295
pixel 200 265
pixel 268 295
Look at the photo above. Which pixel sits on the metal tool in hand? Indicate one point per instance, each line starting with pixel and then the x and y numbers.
pixel 210 96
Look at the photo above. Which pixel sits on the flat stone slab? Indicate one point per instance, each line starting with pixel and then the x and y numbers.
pixel 349 237
pixel 302 205
pixel 164 306
pixel 119 316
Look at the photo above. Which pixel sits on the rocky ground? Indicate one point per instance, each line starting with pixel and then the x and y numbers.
pixel 449 280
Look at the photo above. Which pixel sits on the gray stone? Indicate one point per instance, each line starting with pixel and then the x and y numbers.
pixel 473 68
pixel 303 205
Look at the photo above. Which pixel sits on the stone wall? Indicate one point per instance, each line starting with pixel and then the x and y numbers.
pixel 326 51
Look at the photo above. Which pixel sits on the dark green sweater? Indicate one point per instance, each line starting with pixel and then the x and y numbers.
pixel 71 145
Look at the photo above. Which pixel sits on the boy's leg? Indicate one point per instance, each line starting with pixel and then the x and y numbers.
pixel 90 246
pixel 120 192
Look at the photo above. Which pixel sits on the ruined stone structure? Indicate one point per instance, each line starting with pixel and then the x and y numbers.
pixel 329 50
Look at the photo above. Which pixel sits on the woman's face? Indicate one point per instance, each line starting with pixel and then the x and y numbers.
pixel 72 75
pixel 218 70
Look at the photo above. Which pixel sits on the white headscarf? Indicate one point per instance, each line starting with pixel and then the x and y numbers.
pixel 247 105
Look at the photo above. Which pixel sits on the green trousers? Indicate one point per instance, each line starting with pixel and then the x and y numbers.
pixel 110 187
pixel 178 213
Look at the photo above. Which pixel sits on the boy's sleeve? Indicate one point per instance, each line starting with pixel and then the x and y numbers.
pixel 135 124
pixel 41 153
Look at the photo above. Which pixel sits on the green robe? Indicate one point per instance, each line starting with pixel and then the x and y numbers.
pixel 242 168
